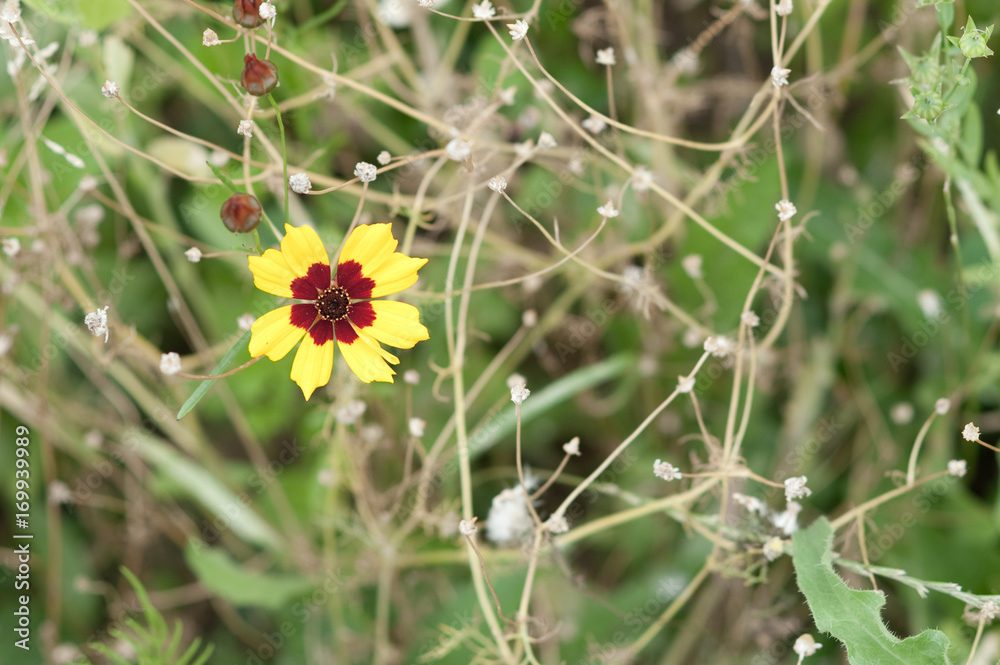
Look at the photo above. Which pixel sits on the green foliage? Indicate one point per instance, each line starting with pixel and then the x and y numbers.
pixel 855 617
pixel 240 586
pixel 153 640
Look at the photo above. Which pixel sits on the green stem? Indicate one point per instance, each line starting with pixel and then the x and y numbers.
pixel 284 152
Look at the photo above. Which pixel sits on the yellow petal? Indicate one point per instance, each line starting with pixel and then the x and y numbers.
pixel 370 245
pixel 398 272
pixel 396 324
pixel 272 274
pixel 367 359
pixel 312 366
pixel 301 248
pixel 274 335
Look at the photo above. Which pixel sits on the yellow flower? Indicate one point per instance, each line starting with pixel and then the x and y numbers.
pixel 337 306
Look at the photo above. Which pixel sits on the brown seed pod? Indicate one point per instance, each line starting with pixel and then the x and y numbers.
pixel 241 213
pixel 259 76
pixel 245 13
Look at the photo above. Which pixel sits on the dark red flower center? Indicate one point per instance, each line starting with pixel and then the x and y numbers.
pixel 334 304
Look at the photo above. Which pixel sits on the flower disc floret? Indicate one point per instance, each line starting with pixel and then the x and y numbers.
pixel 337 306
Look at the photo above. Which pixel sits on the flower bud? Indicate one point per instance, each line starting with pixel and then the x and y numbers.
pixel 972 44
pixel 927 105
pixel 259 76
pixel 241 213
pixel 246 14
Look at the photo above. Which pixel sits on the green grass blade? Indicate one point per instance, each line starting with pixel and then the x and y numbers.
pixel 200 391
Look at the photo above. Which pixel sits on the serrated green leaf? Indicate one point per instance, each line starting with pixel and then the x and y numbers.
pixel 851 616
pixel 240 586
pixel 203 387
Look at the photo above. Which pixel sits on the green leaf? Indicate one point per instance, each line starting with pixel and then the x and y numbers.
pixel 971 144
pixel 99 14
pixel 240 586
pixel 230 511
pixel 202 388
pixel 224 177
pixel 854 617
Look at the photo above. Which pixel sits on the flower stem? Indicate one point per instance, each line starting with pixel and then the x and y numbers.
pixel 284 153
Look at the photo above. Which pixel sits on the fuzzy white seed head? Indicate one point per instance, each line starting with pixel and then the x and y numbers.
pixel 971 432
pixel 109 89
pixel 509 521
pixel 97 322
pixel 519 393
pixel 783 8
pixel 750 319
pixel 557 524
pixel 805 645
pixel 774 548
pixel 779 76
pixel 384 157
pixel 795 488
pixel 11 246
pixel 170 363
pixel 300 183
pixel 606 57
pixel 484 10
pixel 417 427
pixel 786 209
pixel 411 376
pixel 692 266
pixel 468 527
pixel 267 11
pixel 246 128
pixel 193 255
pixel 942 406
pixel 608 210
pixel 365 172
pixel 719 346
pixel 458 150
pixel 595 124
pixel 498 184
pixel 666 470
pixel 210 38
pixel 957 467
pixel 518 29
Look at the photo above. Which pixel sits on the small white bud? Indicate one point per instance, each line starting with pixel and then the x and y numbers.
pixel 210 38
pixel 365 172
pixel 97 322
pixel 299 183
pixel 109 89
pixel 957 467
pixel 608 210
pixel 942 406
pixel 411 376
pixel 384 157
pixel 971 432
pixel 417 426
pixel 518 29
pixel 606 57
pixel 468 527
pixel 498 184
pixel 246 128
pixel 170 363
pixel 572 447
pixel 193 255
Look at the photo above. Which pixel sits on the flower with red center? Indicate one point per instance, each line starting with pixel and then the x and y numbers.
pixel 340 305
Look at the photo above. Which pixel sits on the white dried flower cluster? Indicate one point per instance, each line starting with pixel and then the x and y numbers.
pixel 97 322
pixel 509 520
pixel 193 255
pixel 109 89
pixel 719 346
pixel 774 548
pixel 557 524
pixel 685 384
pixel 300 183
pixel 384 157
pixel 546 141
pixel 529 319
pixel 210 38
pixel 519 393
pixel 971 432
pixel 267 11
pixel 942 406
pixel 417 427
pixel 426 4
pixel 795 488
pixel 411 376
pixel 957 468
pixel 608 210
pixel 786 209
pixel 11 246
pixel 783 8
pixel 595 124
pixel 606 57
pixel 990 610
pixel 365 172
pixel 458 150
pixel 751 503
pixel 351 412
pixel 518 29
pixel 484 11
pixel 170 363
pixel 498 184
pixel 246 128
pixel 666 470
pixel 788 521
pixel 692 266
pixel 468 527
pixel 779 76
pixel 750 319
pixel 572 447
